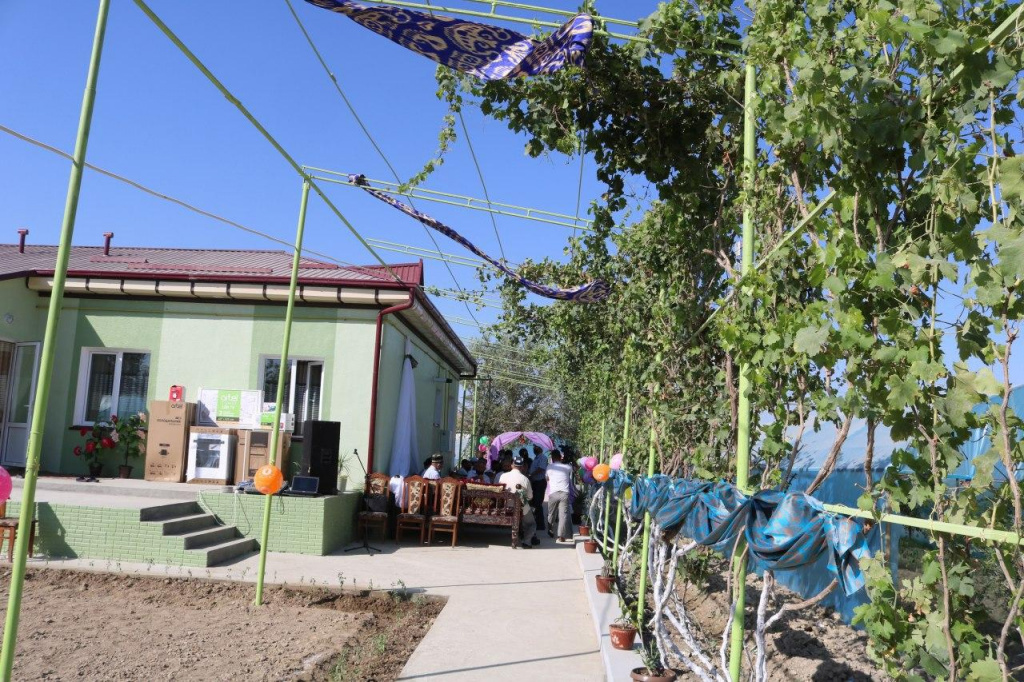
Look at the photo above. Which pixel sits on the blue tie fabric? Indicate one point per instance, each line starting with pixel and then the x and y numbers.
pixel 481 50
pixel 585 293
pixel 782 530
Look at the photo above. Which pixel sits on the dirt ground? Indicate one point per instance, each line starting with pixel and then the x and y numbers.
pixel 813 644
pixel 100 626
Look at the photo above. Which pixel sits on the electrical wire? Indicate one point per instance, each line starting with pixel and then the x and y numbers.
pixel 480 174
pixel 369 136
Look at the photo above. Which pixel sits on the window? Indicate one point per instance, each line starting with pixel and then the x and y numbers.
pixel 303 385
pixel 111 382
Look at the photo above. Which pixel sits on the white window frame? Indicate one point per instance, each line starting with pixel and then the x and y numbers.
pixel 288 406
pixel 83 376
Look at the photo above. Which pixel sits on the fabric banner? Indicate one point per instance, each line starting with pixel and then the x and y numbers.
pixel 481 50
pixel 782 530
pixel 585 293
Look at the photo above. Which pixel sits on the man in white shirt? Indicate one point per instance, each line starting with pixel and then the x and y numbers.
pixel 559 478
pixel 433 472
pixel 538 469
pixel 479 472
pixel 516 481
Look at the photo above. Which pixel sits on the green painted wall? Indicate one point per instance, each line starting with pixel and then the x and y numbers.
pixel 315 525
pixel 221 345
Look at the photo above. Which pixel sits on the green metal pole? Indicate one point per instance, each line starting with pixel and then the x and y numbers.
pixel 42 394
pixel 281 374
pixel 642 597
pixel 618 503
pixel 476 402
pixel 743 407
pixel 604 529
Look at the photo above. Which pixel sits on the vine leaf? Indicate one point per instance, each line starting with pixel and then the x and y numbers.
pixel 809 340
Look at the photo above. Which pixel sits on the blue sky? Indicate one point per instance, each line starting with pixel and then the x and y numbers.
pixel 158 121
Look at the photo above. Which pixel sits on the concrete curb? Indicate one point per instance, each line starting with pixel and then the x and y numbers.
pixel 604 609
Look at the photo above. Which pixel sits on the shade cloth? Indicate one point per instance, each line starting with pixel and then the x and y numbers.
pixel 585 293
pixel 782 530
pixel 481 50
pixel 405 453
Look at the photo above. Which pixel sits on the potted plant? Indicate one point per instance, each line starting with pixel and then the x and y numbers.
pixel 129 436
pixel 652 670
pixel 97 443
pixel 622 633
pixel 585 525
pixel 343 462
pixel 590 546
pixel 605 581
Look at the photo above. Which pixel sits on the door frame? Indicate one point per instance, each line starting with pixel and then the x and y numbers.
pixel 34 379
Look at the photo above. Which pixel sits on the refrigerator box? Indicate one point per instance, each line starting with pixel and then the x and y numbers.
pixel 211 453
pixel 167 440
pixel 253 451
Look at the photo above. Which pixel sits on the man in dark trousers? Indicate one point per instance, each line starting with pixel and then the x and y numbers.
pixel 538 469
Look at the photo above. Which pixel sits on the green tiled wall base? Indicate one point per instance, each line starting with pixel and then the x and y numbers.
pixel 299 525
pixel 67 531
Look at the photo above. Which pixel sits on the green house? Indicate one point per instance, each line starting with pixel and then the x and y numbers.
pixel 138 320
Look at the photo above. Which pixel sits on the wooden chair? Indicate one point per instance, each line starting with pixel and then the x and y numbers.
pixel 376 502
pixel 9 532
pixel 446 511
pixel 415 507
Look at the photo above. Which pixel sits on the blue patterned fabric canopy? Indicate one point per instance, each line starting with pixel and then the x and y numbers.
pixel 481 50
pixel 585 293
pixel 783 530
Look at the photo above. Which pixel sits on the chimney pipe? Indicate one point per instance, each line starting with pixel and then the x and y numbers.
pixel 107 236
pixel 22 233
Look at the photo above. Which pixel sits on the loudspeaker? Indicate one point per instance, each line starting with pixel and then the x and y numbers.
pixel 321 442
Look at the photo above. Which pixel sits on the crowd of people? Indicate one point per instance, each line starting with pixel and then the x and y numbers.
pixel 545 478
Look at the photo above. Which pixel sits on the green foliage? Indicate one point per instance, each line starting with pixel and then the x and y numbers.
pixel 899 304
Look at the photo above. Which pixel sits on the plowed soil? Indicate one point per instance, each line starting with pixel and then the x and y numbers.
pixel 78 625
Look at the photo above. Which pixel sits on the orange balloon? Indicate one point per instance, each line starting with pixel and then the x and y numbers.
pixel 600 472
pixel 268 479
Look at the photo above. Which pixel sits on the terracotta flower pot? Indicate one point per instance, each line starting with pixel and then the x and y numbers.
pixel 124 471
pixel 622 636
pixel 590 546
pixel 585 530
pixel 643 675
pixel 605 583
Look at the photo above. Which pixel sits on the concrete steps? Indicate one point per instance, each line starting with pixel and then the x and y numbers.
pixel 198 531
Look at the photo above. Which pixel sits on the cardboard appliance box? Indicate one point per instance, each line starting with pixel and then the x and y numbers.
pixel 167 440
pixel 211 453
pixel 253 451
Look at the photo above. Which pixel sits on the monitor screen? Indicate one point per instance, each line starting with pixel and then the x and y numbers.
pixel 305 484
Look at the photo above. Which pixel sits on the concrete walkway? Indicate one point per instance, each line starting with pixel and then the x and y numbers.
pixel 511 614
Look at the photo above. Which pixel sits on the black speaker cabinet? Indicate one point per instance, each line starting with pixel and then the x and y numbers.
pixel 321 442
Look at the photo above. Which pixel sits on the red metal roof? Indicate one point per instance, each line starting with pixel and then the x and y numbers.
pixel 201 264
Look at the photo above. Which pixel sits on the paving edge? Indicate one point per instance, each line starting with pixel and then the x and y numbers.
pixel 604 609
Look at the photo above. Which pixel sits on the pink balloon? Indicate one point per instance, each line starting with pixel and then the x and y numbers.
pixel 616 461
pixel 589 463
pixel 5 485
pixel 588 477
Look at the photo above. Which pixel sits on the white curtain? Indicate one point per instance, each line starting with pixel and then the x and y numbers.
pixel 405 454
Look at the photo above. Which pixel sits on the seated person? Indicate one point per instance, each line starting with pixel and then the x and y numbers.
pixel 433 471
pixel 479 471
pixel 463 470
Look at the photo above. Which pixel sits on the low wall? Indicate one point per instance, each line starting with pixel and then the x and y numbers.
pixel 298 525
pixel 104 534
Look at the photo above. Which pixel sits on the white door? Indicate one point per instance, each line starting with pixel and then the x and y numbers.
pixel 21 393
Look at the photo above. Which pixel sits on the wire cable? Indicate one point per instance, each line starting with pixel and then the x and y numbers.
pixel 480 174
pixel 366 131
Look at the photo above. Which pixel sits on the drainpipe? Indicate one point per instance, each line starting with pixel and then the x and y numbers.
pixel 376 372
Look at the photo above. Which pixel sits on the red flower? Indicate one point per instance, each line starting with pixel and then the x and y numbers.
pixel 84 430
pixel 90 446
pixel 113 419
pixel 107 442
pixel 78 451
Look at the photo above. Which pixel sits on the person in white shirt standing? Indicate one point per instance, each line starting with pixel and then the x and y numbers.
pixel 433 472
pixel 516 481
pixel 538 469
pixel 559 478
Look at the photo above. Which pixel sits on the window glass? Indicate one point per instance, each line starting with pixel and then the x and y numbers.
pixel 302 400
pixel 134 385
pixel 99 394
